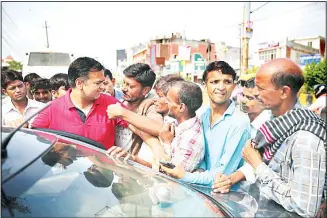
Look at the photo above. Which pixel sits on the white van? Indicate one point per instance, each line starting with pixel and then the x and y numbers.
pixel 47 63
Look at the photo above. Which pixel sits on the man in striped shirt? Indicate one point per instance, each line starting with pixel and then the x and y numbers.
pixel 295 176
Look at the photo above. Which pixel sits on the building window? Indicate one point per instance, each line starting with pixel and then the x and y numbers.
pixel 310 44
pixel 267 55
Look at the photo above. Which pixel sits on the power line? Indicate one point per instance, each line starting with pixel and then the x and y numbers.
pixel 14 24
pixel 259 7
pixel 9 45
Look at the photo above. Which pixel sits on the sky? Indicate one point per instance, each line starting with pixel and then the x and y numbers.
pixel 97 29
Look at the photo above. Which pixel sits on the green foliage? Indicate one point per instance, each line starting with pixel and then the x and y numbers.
pixel 314 74
pixel 15 65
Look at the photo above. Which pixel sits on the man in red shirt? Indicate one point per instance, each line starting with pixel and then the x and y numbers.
pixel 82 110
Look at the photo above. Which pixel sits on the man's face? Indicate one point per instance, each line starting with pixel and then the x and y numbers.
pixel 42 95
pixel 93 86
pixel 59 93
pixel 161 105
pixel 249 103
pixel 173 102
pixel 109 86
pixel 16 90
pixel 133 90
pixel 267 95
pixel 219 87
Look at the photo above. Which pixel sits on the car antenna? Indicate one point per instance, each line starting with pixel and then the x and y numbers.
pixel 6 140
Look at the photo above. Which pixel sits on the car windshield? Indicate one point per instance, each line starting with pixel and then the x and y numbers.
pixel 48 59
pixel 73 181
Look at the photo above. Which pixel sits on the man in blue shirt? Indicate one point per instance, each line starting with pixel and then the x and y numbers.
pixel 226 129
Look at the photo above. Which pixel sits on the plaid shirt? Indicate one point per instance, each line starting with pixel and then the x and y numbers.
pixel 187 148
pixel 295 176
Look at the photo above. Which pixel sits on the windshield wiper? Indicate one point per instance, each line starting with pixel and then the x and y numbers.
pixel 6 140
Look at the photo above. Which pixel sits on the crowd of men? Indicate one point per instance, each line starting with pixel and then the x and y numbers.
pixel 268 139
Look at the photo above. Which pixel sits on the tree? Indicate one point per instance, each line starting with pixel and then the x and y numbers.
pixel 314 74
pixel 254 69
pixel 15 65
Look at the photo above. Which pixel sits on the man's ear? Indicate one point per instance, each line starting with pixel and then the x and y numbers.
pixel 4 91
pixel 285 92
pixel 113 82
pixel 53 93
pixel 182 107
pixel 146 90
pixel 79 83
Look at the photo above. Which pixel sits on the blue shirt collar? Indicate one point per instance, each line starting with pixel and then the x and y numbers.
pixel 230 110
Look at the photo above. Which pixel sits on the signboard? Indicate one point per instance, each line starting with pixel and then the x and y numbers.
pixel 249 29
pixel 184 52
pixel 309 58
pixel 199 62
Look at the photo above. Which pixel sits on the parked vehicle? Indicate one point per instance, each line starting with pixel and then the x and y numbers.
pixel 47 63
pixel 49 173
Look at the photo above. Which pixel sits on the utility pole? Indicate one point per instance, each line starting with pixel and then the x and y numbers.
pixel 245 39
pixel 46 32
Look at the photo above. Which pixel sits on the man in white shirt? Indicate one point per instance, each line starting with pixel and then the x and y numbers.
pixel 18 107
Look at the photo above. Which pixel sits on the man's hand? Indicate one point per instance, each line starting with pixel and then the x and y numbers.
pixel 322 210
pixel 145 105
pixel 222 183
pixel 251 155
pixel 17 122
pixel 115 111
pixel 115 152
pixel 167 133
pixel 178 172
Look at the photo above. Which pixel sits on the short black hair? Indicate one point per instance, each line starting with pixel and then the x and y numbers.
pixel 108 73
pixel 163 83
pixel 8 76
pixel 221 66
pixel 58 80
pixel 31 77
pixel 190 94
pixel 81 67
pixel 51 157
pixel 41 84
pixel 142 74
pixel 292 80
pixel 98 179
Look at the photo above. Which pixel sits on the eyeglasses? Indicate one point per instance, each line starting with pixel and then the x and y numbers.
pixel 248 83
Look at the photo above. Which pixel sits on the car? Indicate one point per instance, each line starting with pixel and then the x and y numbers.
pixel 49 173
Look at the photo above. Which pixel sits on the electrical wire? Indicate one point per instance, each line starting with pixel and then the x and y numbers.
pixel 259 7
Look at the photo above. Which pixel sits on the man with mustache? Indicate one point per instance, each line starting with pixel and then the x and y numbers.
pixel 18 107
pixel 288 153
pixel 82 110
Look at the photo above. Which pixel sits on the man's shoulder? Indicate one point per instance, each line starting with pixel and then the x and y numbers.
pixel 305 139
pixel 34 103
pixel 108 99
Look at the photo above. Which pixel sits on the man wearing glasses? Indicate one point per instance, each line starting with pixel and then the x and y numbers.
pixel 82 110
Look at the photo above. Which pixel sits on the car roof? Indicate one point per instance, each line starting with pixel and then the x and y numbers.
pixel 94 184
pixel 20 154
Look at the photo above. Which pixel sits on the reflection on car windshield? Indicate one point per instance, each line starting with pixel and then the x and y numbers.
pixel 76 181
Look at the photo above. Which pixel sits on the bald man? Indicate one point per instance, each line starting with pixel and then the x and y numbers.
pixel 288 153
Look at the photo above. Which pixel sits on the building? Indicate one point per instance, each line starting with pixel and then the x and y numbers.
pixel 317 42
pixel 5 62
pixel 175 54
pixel 121 56
pixel 229 54
pixel 283 49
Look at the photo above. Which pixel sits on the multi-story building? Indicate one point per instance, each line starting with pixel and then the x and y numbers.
pixel 229 54
pixel 175 54
pixel 283 49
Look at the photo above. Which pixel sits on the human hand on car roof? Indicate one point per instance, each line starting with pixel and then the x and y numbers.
pixel 177 172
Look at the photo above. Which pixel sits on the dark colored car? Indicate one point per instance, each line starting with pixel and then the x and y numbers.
pixel 60 174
